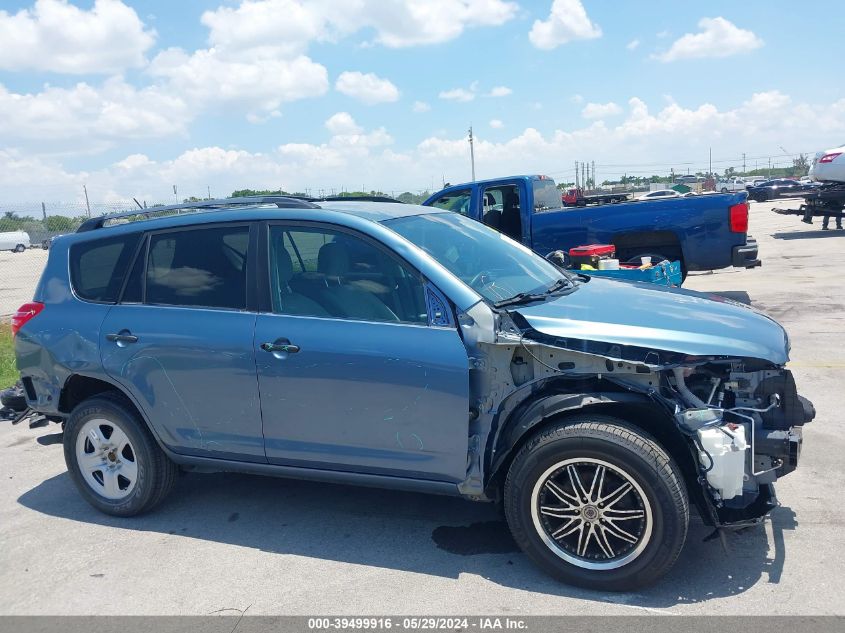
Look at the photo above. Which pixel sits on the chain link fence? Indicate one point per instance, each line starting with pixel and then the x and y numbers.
pixel 26 231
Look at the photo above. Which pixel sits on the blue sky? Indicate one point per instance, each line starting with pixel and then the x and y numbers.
pixel 132 97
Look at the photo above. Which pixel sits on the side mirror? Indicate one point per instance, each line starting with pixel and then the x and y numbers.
pixel 559 259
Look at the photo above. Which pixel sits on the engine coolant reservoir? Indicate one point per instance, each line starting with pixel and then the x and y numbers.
pixel 726 447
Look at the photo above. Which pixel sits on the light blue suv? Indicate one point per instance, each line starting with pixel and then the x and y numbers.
pixel 405 347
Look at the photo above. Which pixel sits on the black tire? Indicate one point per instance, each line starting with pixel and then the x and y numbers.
pixel 622 447
pixel 156 474
pixel 14 398
pixel 20 248
pixel 724 190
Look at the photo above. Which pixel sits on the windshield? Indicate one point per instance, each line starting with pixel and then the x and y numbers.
pixel 493 265
pixel 546 195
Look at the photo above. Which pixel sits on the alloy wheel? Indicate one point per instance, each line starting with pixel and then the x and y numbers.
pixel 106 459
pixel 591 513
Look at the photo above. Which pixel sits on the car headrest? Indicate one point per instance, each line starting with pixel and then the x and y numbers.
pixel 284 265
pixel 333 259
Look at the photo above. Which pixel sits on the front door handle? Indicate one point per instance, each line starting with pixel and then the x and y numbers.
pixel 282 345
pixel 122 338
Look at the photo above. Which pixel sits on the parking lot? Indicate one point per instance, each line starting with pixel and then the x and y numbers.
pixel 19 273
pixel 225 543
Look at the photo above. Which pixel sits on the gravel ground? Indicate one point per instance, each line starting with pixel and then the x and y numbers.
pixel 284 547
pixel 19 273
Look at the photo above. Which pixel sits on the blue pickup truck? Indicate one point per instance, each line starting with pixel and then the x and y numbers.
pixel 705 232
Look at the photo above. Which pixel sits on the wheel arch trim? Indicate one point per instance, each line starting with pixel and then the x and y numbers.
pixel 123 392
pixel 532 413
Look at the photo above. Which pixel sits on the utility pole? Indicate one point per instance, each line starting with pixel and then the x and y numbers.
pixel 743 163
pixel 208 189
pixel 710 175
pixel 175 194
pixel 44 211
pixel 770 167
pixel 87 205
pixel 576 174
pixel 472 153
pixel 594 174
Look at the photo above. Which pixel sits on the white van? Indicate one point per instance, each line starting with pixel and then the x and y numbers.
pixel 15 241
pixel 731 184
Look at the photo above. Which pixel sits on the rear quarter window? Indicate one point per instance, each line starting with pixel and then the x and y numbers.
pixel 98 267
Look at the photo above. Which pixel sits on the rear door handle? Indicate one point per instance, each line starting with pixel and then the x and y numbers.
pixel 123 337
pixel 280 346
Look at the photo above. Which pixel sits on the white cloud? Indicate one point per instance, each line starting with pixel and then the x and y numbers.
pixel 368 88
pixel 342 123
pixel 496 123
pixel 289 25
pixel 258 85
pixel 633 45
pixel 718 38
pixel 457 94
pixel 644 138
pixel 461 95
pixel 600 110
pixel 55 36
pixel 270 28
pixel 500 91
pixel 60 118
pixel 402 23
pixel 567 21
pixel 420 106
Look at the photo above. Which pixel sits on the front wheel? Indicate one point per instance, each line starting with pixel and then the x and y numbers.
pixel 597 504
pixel 113 459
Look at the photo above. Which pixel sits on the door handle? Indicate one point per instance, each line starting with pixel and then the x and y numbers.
pixel 122 337
pixel 280 347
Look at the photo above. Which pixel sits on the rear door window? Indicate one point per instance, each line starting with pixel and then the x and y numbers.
pixel 97 268
pixel 204 267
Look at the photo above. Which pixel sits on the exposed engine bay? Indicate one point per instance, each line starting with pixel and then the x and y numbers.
pixel 740 418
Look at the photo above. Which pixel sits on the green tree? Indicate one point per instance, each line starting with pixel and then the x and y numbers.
pixel 801 165
pixel 59 224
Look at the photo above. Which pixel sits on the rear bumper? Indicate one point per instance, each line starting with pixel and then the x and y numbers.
pixel 745 255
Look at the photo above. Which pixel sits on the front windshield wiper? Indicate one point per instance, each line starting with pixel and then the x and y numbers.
pixel 528 297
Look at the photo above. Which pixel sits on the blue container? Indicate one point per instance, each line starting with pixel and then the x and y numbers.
pixel 663 273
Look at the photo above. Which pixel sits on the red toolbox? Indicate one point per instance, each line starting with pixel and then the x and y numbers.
pixel 590 254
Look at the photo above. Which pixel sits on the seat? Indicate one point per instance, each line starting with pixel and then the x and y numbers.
pixel 511 223
pixel 492 217
pixel 345 298
pixel 293 302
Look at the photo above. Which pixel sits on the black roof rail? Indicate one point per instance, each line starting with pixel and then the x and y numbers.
pixel 358 199
pixel 283 202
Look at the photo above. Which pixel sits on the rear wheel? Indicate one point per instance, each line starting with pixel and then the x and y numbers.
pixel 113 459
pixel 20 248
pixel 595 503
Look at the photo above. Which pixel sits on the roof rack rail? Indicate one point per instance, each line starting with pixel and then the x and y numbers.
pixel 283 202
pixel 357 199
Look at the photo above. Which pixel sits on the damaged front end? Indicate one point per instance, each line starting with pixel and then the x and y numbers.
pixel 732 423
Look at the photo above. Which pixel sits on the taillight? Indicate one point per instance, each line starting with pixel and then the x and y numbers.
pixel 829 158
pixel 739 218
pixel 26 312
